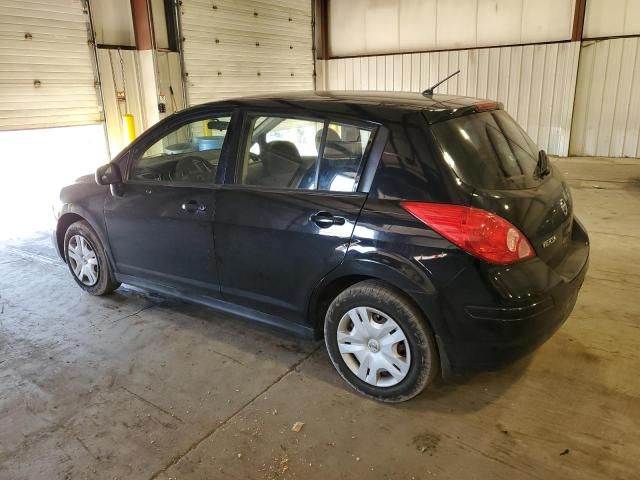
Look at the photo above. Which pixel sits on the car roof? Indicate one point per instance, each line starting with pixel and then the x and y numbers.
pixel 381 104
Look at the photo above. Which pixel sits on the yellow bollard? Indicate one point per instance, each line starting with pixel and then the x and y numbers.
pixel 128 129
pixel 205 128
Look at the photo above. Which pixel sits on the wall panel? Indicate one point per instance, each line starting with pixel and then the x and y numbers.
pixel 535 82
pixel 499 20
pixel 115 77
pixel 610 18
pixel 130 77
pixel 371 27
pixel 113 22
pixel 606 119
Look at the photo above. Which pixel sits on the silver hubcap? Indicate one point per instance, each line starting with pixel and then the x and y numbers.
pixel 83 260
pixel 374 347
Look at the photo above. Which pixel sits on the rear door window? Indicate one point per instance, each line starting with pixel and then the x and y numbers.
pixel 344 149
pixel 282 152
pixel 489 151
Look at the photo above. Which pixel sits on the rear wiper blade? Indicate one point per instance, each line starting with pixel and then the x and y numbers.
pixel 542 167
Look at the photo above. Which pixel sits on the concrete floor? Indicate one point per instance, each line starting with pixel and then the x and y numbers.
pixel 134 386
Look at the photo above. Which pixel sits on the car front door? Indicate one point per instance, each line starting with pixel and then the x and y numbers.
pixel 160 220
pixel 286 217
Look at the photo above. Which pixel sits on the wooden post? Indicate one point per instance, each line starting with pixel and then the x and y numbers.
pixel 322 29
pixel 142 24
pixel 578 20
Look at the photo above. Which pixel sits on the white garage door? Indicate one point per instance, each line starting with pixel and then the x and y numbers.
pixel 46 74
pixel 240 47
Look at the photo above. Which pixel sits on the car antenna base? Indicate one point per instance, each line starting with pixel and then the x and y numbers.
pixel 429 91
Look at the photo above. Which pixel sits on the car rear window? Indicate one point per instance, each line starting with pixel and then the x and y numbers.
pixel 489 150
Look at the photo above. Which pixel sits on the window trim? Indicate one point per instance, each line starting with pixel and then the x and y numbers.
pixel 248 116
pixel 146 141
pixel 323 141
pixel 370 164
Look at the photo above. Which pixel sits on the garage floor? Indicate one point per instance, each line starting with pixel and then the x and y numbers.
pixel 134 386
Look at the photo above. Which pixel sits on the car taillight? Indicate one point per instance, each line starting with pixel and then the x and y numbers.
pixel 478 232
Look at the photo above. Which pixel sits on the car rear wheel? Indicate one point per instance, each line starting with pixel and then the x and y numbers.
pixel 380 343
pixel 87 260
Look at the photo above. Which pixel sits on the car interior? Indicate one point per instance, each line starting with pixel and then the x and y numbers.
pixel 189 155
pixel 341 158
pixel 279 163
pixel 282 153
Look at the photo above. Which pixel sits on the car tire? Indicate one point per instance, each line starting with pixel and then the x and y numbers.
pixel 87 260
pixel 364 344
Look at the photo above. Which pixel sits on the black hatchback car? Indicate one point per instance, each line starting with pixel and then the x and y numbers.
pixel 418 234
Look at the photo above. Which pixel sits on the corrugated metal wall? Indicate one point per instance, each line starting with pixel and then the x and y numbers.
pixel 609 18
pixel 47 77
pixel 606 119
pixel 241 47
pixel 607 107
pixel 535 82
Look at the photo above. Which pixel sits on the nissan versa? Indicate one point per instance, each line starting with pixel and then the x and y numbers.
pixel 421 235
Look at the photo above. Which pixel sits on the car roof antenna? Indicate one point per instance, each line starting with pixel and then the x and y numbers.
pixel 429 91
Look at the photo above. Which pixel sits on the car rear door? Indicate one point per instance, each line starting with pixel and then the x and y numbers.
pixel 160 220
pixel 286 217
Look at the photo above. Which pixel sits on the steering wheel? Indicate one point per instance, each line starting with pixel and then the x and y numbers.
pixel 193 169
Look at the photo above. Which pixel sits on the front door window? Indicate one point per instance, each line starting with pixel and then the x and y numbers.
pixel 187 155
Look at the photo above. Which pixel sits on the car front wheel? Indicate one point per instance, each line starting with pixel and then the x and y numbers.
pixel 380 342
pixel 87 260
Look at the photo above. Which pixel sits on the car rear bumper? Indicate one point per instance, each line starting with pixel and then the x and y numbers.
pixel 492 317
pixel 505 335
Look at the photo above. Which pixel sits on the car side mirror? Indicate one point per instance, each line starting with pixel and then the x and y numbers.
pixel 108 174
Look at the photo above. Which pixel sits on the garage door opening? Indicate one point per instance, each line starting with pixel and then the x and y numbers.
pixel 36 165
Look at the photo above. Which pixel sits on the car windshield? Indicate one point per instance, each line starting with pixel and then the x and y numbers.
pixel 489 151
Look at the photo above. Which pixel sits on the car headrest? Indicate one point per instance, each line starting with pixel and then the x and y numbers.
pixel 278 155
pixel 332 136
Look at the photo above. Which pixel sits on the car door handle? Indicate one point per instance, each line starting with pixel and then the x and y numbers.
pixel 192 207
pixel 326 219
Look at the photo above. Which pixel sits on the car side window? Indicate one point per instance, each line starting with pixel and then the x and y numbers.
pixel 189 154
pixel 285 152
pixel 281 152
pixel 344 149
